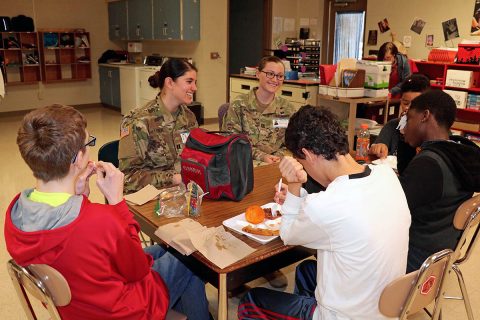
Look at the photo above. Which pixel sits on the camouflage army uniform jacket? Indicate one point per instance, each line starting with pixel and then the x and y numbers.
pixel 266 130
pixel 151 140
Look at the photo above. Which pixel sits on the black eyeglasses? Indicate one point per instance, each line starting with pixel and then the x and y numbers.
pixel 271 75
pixel 91 143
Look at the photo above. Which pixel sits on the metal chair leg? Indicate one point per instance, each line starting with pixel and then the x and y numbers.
pixel 463 289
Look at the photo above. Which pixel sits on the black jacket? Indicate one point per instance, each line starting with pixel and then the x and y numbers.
pixel 436 182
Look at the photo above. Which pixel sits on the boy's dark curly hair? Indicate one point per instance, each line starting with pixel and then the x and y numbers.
pixel 440 104
pixel 316 129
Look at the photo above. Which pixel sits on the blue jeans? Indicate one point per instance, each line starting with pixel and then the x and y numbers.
pixel 186 290
pixel 262 303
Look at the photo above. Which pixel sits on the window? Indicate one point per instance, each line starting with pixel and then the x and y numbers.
pixel 349 29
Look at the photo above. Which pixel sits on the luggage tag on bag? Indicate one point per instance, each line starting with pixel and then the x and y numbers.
pixel 184 135
pixel 280 123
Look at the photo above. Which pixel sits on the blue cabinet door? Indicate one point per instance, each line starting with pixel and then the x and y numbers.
pixel 105 92
pixel 140 21
pixel 117 20
pixel 166 19
pixel 191 19
pixel 115 87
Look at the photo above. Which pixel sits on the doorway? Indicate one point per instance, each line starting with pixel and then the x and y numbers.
pixel 249 32
pixel 344 26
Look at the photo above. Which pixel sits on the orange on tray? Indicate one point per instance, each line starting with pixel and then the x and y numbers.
pixel 255 214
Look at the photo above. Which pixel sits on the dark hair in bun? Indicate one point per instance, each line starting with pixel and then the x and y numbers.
pixel 173 68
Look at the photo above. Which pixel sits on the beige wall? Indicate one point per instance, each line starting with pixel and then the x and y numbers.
pixel 88 14
pixel 298 9
pixel 93 16
pixel 212 74
pixel 401 14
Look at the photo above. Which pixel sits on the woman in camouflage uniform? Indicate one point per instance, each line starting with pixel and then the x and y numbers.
pixel 152 136
pixel 262 115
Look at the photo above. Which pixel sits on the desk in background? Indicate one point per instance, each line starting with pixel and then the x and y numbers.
pixel 267 258
pixel 331 101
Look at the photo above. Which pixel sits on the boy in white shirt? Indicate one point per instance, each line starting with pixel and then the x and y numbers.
pixel 358 225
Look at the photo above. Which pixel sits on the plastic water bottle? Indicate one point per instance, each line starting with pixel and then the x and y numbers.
pixel 363 142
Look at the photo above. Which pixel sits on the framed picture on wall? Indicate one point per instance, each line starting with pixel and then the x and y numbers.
pixel 450 29
pixel 383 25
pixel 429 40
pixel 372 37
pixel 475 29
pixel 417 25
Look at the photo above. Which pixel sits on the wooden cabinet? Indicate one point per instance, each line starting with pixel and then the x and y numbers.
pixel 20 57
pixel 468 119
pixel 117 20
pixel 297 92
pixel 65 56
pixel 140 20
pixel 110 86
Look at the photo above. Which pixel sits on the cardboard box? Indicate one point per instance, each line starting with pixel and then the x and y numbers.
pixel 377 73
pixel 466 126
pixel 345 92
pixel 459 78
pixel 460 97
pixel 374 93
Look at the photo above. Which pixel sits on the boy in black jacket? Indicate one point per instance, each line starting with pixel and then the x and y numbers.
pixel 444 174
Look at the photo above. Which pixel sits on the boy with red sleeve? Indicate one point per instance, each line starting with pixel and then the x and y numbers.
pixel 94 246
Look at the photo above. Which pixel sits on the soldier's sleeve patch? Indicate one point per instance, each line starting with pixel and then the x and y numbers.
pixel 124 131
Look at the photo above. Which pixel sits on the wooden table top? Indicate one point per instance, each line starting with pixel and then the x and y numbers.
pixel 214 212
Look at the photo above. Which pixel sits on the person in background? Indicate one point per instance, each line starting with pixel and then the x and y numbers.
pixel 153 136
pixel 94 246
pixel 444 174
pixel 400 67
pixel 390 141
pixel 360 249
pixel 262 115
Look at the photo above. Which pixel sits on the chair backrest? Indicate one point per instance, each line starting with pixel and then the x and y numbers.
pixel 221 112
pixel 109 152
pixel 414 291
pixel 42 282
pixel 467 218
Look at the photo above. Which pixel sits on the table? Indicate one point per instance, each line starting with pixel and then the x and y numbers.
pixel 267 258
pixel 352 113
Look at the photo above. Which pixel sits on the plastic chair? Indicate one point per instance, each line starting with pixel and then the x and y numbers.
pixel 42 282
pixel 109 152
pixel 50 287
pixel 416 290
pixel 222 110
pixel 467 218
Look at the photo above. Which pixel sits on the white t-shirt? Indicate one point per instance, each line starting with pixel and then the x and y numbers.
pixel 359 226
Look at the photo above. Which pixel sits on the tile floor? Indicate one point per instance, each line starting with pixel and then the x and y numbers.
pixel 103 123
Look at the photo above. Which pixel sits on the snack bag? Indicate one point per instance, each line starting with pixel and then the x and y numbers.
pixel 194 198
pixel 172 202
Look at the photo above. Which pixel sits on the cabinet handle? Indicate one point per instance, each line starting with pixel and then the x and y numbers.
pixel 138 30
pixel 287 93
pixel 245 87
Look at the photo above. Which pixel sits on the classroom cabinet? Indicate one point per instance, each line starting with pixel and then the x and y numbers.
pixel 117 20
pixel 154 19
pixel 468 116
pixel 166 19
pixel 110 86
pixel 140 20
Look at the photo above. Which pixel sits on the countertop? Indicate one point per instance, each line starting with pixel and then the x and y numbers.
pixel 301 81
pixel 125 65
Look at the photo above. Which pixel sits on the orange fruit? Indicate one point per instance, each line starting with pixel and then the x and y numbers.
pixel 255 214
